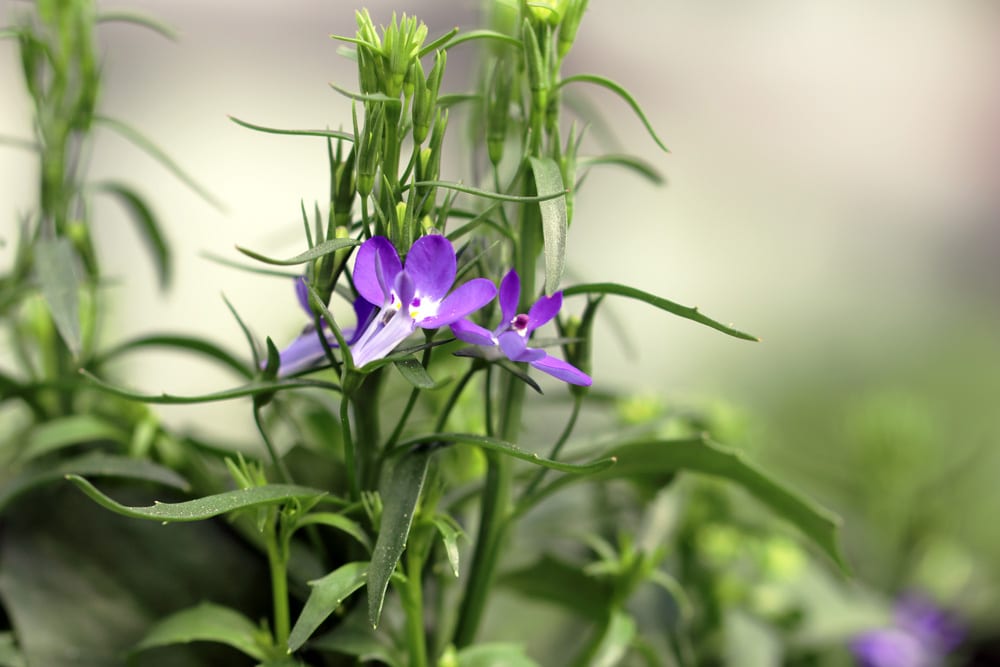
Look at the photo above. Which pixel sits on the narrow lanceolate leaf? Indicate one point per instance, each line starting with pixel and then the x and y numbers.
pixel 156 153
pixel 654 459
pixel 414 373
pixel 325 595
pixel 450 533
pixel 68 431
pixel 135 18
pixel 140 212
pixel 620 92
pixel 206 622
pixel 318 250
pixel 92 465
pixel 183 343
pixel 469 35
pixel 206 507
pixel 399 500
pixel 486 194
pixel 630 162
pixel 250 389
pixel 333 134
pixel 562 583
pixel 686 312
pixel 548 181
pixel 55 268
pixel 510 449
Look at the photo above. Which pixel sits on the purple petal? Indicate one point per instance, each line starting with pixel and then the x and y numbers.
pixel 891 647
pixel 469 297
pixel 404 288
pixel 375 269
pixel 561 370
pixel 510 292
pixel 515 347
pixel 431 263
pixel 544 310
pixel 301 353
pixel 363 312
pixel 302 294
pixel 472 333
pixel 384 340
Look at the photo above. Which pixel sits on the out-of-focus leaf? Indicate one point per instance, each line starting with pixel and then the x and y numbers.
pixel 135 18
pixel 181 342
pixel 686 312
pixel 630 162
pixel 205 507
pixel 154 151
pixel 318 250
pixel 55 268
pixel 251 389
pixel 92 465
pixel 68 431
pixel 140 212
pixel 354 636
pixel 325 595
pixel 449 536
pixel 333 134
pixel 608 84
pixel 510 449
pixel 555 220
pixel 494 655
pixel 470 35
pixel 654 459
pixel 399 499
pixel 618 635
pixel 564 584
pixel 10 655
pixel 207 622
pixel 488 194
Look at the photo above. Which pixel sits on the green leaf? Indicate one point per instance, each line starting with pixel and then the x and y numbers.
pixel 319 250
pixel 510 449
pixel 548 181
pixel 472 35
pixel 564 584
pixel 449 536
pixel 205 507
pixel 414 373
pixel 338 521
pixel 494 655
pixel 93 464
pixel 55 268
pixel 140 212
pixel 653 459
pixel 486 194
pixel 686 312
pixel 622 93
pixel 614 643
pixel 153 151
pixel 250 389
pixel 630 162
pixel 68 431
pixel 325 595
pixel 187 344
pixel 353 636
pixel 250 268
pixel 10 655
pixel 399 498
pixel 206 622
pixel 334 134
pixel 437 43
pixel 135 18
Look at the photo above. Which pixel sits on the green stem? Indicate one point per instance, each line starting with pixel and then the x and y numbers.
pixel 279 464
pixel 557 447
pixel 413 603
pixel 277 557
pixel 349 458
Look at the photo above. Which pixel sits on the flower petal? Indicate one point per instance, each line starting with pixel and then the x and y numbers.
pixel 471 332
pixel 515 347
pixel 363 312
pixel 510 293
pixel 431 264
pixel 544 310
pixel 302 294
pixel 375 269
pixel 384 340
pixel 404 288
pixel 469 297
pixel 561 370
pixel 303 352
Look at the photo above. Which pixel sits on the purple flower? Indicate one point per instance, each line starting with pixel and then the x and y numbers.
pixel 921 636
pixel 511 337
pixel 412 296
pixel 307 349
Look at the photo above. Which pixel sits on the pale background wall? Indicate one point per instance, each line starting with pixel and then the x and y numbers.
pixel 833 181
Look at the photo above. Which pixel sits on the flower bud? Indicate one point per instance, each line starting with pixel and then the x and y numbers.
pixel 368 145
pixel 498 109
pixel 570 24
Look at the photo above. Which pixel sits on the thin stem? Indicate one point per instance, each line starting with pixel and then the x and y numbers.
pixel 277 557
pixel 557 447
pixel 453 398
pixel 410 402
pixel 279 464
pixel 349 457
pixel 413 603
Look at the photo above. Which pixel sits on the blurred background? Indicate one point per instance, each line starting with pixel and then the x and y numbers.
pixel 833 187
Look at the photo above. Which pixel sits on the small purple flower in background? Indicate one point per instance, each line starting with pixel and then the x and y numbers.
pixel 921 636
pixel 511 337
pixel 412 296
pixel 307 349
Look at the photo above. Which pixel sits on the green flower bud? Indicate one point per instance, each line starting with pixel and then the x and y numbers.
pixel 368 145
pixel 498 95
pixel 570 24
pixel 550 12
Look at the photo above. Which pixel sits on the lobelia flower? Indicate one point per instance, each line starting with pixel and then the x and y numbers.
pixel 307 350
pixel 511 337
pixel 921 636
pixel 411 296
